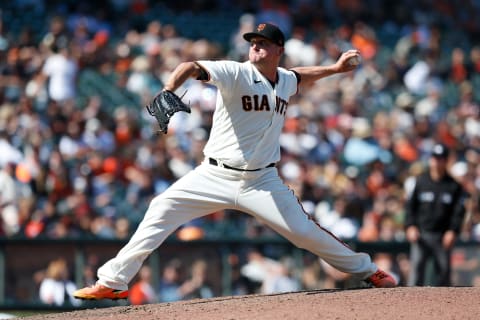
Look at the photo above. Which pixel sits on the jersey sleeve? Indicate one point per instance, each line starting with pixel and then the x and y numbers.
pixel 298 76
pixel 221 73
pixel 292 81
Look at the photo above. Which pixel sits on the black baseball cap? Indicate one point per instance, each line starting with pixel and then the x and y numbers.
pixel 440 151
pixel 267 31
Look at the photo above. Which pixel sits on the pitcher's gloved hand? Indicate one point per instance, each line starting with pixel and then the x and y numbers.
pixel 164 106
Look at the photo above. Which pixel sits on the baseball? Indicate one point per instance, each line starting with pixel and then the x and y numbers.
pixel 354 61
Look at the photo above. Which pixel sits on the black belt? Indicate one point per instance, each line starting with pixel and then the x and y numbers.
pixel 215 163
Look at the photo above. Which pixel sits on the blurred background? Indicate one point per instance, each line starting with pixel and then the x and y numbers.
pixel 80 158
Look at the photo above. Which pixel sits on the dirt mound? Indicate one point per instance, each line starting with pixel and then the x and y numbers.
pixel 399 303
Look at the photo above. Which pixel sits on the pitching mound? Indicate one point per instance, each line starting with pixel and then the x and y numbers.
pixel 399 303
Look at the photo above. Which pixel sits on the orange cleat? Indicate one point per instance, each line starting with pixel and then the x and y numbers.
pixel 381 279
pixel 99 292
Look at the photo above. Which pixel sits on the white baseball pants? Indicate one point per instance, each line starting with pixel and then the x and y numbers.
pixel 208 189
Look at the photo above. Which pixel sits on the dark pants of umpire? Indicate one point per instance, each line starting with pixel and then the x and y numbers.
pixel 429 246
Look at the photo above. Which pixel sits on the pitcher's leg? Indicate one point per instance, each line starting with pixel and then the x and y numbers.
pixel 309 235
pixel 185 200
pixel 280 209
pixel 159 222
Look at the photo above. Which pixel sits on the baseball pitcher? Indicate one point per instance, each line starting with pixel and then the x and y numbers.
pixel 239 167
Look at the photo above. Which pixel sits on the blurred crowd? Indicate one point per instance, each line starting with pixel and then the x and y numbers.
pixel 75 164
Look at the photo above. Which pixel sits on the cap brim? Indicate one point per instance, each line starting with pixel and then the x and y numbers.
pixel 249 35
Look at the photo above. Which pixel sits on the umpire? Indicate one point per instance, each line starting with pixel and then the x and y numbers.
pixel 434 216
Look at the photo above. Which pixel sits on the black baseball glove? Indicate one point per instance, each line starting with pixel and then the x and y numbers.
pixel 164 106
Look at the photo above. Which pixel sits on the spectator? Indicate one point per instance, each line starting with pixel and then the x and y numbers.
pixel 151 38
pixel 174 286
pixel 435 213
pixel 4 41
pixel 60 70
pixel 140 81
pixel 8 200
pixel 340 221
pixel 276 12
pixel 56 288
pixel 171 280
pixel 257 269
pixel 89 269
pixel 10 154
pixel 142 291
pixel 239 284
pixel 122 228
pixel 57 34
pixel 197 285
pixel 239 48
pixel 281 278
pixel 458 67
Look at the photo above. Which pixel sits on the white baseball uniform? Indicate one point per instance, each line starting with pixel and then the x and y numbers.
pixel 247 123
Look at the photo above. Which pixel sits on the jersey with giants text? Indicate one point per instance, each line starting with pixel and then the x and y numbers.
pixel 249 113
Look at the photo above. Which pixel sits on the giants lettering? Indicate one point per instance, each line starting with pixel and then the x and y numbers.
pixel 280 106
pixel 257 103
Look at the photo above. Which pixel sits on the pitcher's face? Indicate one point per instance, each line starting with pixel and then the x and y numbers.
pixel 263 50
